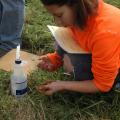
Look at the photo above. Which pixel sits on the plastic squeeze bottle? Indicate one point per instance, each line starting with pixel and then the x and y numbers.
pixel 18 77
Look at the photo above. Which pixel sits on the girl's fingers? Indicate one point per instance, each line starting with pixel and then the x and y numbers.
pixel 42 64
pixel 45 63
pixel 44 58
pixel 48 93
pixel 46 88
pixel 48 82
pixel 46 66
pixel 42 88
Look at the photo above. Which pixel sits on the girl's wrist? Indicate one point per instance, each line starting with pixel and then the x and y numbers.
pixel 63 85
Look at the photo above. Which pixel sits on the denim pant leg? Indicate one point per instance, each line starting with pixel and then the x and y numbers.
pixel 11 23
pixel 82 66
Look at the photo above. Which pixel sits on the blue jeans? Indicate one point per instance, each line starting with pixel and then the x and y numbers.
pixel 81 64
pixel 11 23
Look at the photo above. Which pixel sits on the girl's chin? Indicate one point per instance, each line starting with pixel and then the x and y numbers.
pixel 65 25
pixel 68 25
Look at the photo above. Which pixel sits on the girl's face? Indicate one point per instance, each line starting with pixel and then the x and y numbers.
pixel 63 15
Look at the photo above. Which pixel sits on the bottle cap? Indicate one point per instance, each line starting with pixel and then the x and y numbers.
pixel 18 61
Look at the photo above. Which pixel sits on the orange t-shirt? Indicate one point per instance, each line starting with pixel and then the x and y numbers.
pixel 101 37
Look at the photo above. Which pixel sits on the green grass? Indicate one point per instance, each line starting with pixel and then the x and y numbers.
pixel 61 106
pixel 36 37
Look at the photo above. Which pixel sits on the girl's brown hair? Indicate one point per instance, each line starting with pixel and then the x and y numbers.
pixel 82 8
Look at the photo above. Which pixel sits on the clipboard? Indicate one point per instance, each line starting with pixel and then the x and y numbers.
pixel 65 40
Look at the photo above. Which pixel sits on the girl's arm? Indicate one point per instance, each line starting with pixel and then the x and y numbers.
pixel 51 87
pixel 80 86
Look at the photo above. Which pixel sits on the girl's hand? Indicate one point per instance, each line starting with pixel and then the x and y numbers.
pixel 45 64
pixel 50 87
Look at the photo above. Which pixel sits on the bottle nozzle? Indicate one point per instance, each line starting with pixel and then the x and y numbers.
pixel 18 52
pixel 18 60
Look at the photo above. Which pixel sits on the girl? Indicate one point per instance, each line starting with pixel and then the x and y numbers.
pixel 95 27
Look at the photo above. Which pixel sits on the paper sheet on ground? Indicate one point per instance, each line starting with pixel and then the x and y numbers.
pixel 30 61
